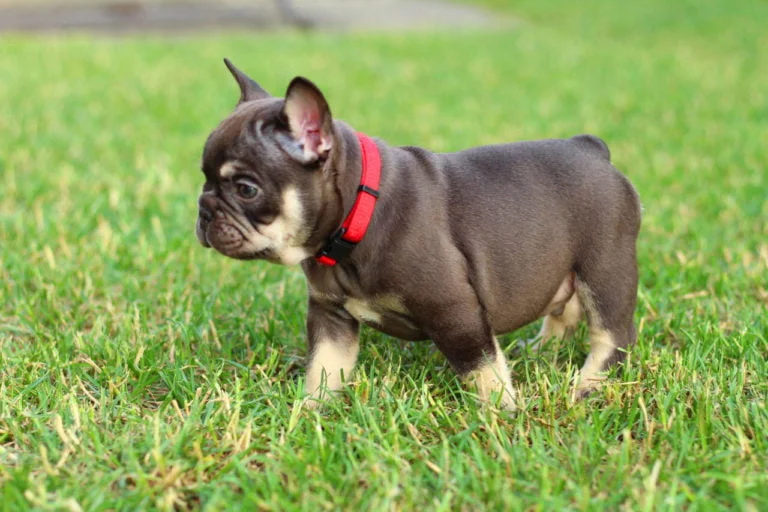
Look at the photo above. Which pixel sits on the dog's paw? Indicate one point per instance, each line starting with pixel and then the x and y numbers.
pixel 493 388
pixel 580 393
pixel 311 403
pixel 585 387
pixel 317 400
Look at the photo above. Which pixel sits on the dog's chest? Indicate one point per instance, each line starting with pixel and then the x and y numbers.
pixel 375 310
pixel 368 312
pixel 386 313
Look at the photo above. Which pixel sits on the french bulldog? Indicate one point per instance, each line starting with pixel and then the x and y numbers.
pixel 454 247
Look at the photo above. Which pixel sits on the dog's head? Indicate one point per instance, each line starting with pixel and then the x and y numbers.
pixel 266 193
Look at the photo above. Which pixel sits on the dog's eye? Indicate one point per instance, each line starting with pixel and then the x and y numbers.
pixel 246 190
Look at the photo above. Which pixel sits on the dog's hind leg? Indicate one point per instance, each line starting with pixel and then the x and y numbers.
pixel 466 339
pixel 559 324
pixel 607 288
pixel 562 315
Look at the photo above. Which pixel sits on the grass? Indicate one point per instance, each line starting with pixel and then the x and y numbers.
pixel 139 371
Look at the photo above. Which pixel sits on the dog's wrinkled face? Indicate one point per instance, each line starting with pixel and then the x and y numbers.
pixel 263 169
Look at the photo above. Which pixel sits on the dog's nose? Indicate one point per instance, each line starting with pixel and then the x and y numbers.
pixel 207 205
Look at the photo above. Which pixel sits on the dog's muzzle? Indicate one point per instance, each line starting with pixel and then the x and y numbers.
pixel 206 206
pixel 200 229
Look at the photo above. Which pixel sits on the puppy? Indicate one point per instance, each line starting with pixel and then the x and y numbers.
pixel 453 247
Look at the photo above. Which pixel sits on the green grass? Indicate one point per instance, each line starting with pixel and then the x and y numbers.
pixel 138 370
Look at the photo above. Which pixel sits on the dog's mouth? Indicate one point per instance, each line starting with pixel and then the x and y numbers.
pixel 229 239
pixel 265 254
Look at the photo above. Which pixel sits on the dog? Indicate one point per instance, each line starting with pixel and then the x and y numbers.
pixel 452 247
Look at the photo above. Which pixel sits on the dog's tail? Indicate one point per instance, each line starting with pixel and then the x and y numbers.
pixel 594 143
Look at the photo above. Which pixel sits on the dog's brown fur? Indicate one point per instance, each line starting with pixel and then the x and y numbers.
pixel 462 245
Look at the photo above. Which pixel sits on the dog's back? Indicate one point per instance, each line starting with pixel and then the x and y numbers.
pixel 528 213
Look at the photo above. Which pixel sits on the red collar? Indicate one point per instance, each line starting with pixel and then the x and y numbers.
pixel 356 223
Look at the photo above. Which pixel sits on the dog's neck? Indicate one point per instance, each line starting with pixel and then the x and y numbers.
pixel 357 221
pixel 343 173
pixel 345 166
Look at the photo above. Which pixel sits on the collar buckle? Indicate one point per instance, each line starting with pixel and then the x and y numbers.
pixel 335 248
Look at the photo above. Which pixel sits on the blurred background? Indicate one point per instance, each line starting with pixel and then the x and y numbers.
pixel 190 15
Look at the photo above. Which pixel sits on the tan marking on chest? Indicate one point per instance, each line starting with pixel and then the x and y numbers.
pixel 370 311
pixel 362 311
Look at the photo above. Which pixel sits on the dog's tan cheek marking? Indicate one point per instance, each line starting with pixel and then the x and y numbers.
pixel 493 377
pixel 330 362
pixel 602 347
pixel 285 232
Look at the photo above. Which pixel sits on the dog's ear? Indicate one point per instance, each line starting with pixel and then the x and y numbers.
pixel 308 119
pixel 249 90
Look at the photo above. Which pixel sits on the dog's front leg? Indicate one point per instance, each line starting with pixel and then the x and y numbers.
pixel 333 347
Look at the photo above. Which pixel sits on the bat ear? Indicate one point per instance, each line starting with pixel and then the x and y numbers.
pixel 249 90
pixel 308 117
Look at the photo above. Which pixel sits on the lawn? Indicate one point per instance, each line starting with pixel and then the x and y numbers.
pixel 139 371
